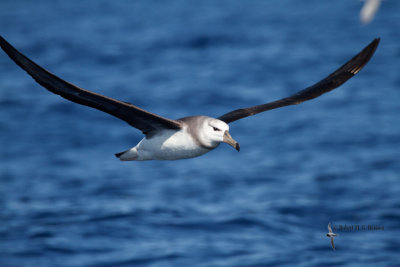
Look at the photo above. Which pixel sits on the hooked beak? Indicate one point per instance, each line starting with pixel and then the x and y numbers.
pixel 230 141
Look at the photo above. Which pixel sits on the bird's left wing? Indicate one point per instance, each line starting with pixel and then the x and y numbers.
pixel 333 243
pixel 133 115
pixel 334 80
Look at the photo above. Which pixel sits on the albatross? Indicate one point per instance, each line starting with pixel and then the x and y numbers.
pixel 188 137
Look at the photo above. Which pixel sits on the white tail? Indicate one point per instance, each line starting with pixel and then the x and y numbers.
pixel 127 155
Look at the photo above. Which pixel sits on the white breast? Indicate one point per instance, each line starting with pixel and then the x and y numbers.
pixel 169 145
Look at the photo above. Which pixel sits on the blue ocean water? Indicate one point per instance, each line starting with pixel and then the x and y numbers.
pixel 65 200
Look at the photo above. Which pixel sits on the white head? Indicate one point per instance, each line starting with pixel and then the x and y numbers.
pixel 211 132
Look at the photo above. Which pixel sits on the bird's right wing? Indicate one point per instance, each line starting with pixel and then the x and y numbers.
pixel 334 80
pixel 133 115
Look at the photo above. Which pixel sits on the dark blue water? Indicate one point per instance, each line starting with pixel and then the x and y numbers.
pixel 65 200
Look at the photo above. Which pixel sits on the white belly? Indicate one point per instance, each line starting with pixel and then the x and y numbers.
pixel 169 145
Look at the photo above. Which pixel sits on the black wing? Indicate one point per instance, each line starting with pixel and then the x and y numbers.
pixel 135 116
pixel 334 80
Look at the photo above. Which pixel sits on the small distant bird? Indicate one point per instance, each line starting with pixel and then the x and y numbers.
pixel 368 10
pixel 168 139
pixel 331 235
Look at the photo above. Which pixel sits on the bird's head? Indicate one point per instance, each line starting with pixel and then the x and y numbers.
pixel 217 131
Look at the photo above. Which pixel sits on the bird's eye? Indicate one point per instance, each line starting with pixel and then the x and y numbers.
pixel 216 129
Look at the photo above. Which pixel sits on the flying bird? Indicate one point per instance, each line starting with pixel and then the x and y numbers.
pixel 369 10
pixel 188 137
pixel 331 235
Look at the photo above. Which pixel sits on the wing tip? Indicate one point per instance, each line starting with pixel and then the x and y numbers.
pixel 369 51
pixel 13 53
pixel 3 43
pixel 359 61
pixel 374 44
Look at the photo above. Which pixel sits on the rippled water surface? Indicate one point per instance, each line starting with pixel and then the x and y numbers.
pixel 65 200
